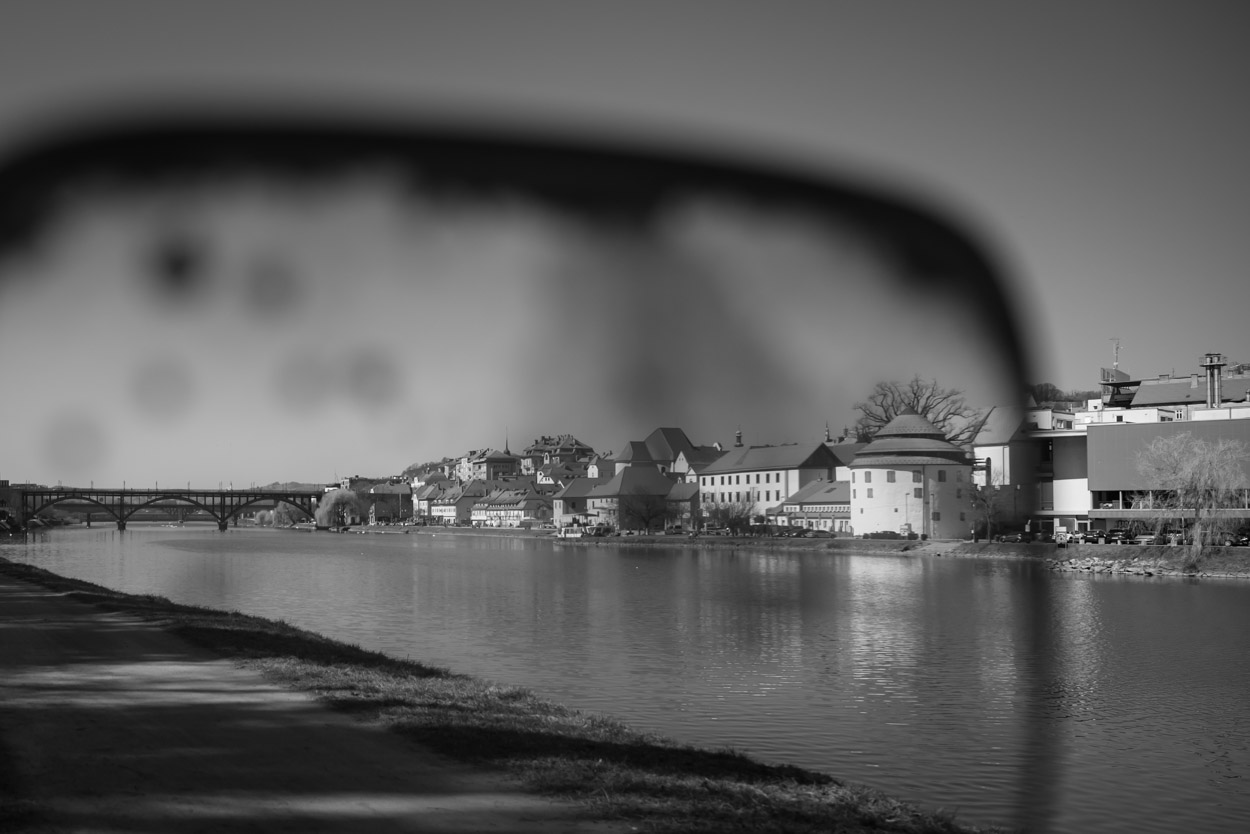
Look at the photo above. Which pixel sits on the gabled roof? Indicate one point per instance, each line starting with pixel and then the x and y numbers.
pixel 581 487
pixel 665 444
pixel 661 446
pixel 642 480
pixel 822 492
pixel 844 452
pixel 428 491
pixel 635 451
pixel 752 458
pixel 683 491
pixel 701 457
pixel 494 455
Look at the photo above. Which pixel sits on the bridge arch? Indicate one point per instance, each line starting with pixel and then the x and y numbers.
pixel 121 505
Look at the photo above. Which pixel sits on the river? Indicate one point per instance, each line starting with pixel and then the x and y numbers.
pixel 993 688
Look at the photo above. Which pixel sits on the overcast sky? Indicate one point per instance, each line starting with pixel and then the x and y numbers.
pixel 1098 147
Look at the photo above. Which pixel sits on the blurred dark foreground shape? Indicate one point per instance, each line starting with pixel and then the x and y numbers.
pixel 378 285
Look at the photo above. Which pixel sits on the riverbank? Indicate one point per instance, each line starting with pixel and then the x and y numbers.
pixel 611 775
pixel 1136 560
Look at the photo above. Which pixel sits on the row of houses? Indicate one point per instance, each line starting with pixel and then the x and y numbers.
pixel 1062 467
pixel 908 479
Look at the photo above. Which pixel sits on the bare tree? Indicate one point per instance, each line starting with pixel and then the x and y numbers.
pixel 1197 483
pixel 737 516
pixel 1046 392
pixel 945 408
pixel 642 509
pixel 988 502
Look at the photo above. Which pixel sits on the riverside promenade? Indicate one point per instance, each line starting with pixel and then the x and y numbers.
pixel 110 724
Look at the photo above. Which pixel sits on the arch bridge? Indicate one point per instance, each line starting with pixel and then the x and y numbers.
pixel 122 504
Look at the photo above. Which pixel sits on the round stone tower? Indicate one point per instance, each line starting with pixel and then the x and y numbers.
pixel 911 479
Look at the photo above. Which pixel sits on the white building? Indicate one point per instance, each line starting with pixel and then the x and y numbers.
pixel 764 475
pixel 911 479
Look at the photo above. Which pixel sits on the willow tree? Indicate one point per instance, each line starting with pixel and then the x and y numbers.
pixel 1194 482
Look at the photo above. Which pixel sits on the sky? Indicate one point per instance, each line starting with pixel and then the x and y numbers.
pixel 1095 148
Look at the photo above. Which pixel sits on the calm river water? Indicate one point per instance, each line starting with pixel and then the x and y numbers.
pixel 1056 702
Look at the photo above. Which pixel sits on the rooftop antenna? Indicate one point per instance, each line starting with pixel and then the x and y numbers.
pixel 1116 364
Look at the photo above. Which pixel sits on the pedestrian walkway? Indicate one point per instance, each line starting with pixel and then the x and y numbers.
pixel 109 724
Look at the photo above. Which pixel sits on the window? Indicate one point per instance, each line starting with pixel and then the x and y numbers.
pixel 941 476
pixel 959 493
pixel 915 476
pixel 852 477
pixel 889 477
pixel 961 517
pixel 869 492
pixel 767 475
pixel 937 516
pixel 868 477
pixel 854 493
pixel 918 492
pixel 959 475
pixel 757 477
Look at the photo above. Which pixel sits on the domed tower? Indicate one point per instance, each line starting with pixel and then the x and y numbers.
pixel 911 479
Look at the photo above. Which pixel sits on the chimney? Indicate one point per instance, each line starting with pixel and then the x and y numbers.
pixel 1213 363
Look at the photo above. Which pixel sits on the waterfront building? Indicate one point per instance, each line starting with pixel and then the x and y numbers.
pixel 911 479
pixel 1073 467
pixel 388 502
pixel 821 505
pixel 455 504
pixel 763 476
pixel 570 506
pixel 609 502
pixel 509 505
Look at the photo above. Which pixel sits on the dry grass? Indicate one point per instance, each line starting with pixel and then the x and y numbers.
pixel 612 770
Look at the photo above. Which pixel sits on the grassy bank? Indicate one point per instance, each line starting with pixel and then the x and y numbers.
pixel 613 772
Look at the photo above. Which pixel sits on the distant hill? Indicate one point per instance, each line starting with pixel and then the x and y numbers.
pixel 295 486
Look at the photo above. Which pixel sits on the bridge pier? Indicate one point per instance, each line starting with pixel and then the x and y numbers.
pixel 223 525
pixel 121 525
